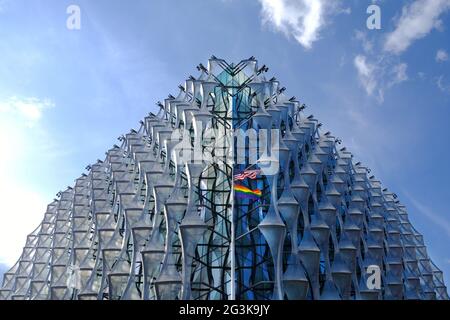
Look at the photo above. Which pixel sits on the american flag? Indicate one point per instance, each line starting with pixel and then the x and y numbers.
pixel 251 174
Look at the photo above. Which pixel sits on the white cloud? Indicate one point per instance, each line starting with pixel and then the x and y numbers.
pixel 21 208
pixel 301 19
pixel 23 141
pixel 377 71
pixel 379 75
pixel 366 73
pixel 441 55
pixel 399 73
pixel 416 21
pixel 347 10
pixel 442 85
pixel 366 43
pixel 30 109
pixel 437 219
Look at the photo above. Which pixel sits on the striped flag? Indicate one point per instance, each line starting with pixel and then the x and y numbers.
pixel 251 174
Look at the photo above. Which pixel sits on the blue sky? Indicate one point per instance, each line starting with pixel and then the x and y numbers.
pixel 65 95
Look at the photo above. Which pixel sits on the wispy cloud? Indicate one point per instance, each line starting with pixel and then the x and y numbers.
pixel 426 211
pixel 367 44
pixel 21 206
pixel 398 74
pixel 442 84
pixel 379 67
pixel 301 19
pixel 378 75
pixel 416 21
pixel 23 138
pixel 441 55
pixel 30 109
pixel 366 73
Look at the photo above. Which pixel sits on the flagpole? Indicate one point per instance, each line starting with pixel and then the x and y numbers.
pixel 233 236
pixel 232 247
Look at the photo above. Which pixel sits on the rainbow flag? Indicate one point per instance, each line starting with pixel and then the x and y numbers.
pixel 244 192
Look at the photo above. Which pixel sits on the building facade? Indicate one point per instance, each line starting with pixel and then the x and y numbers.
pixel 230 192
